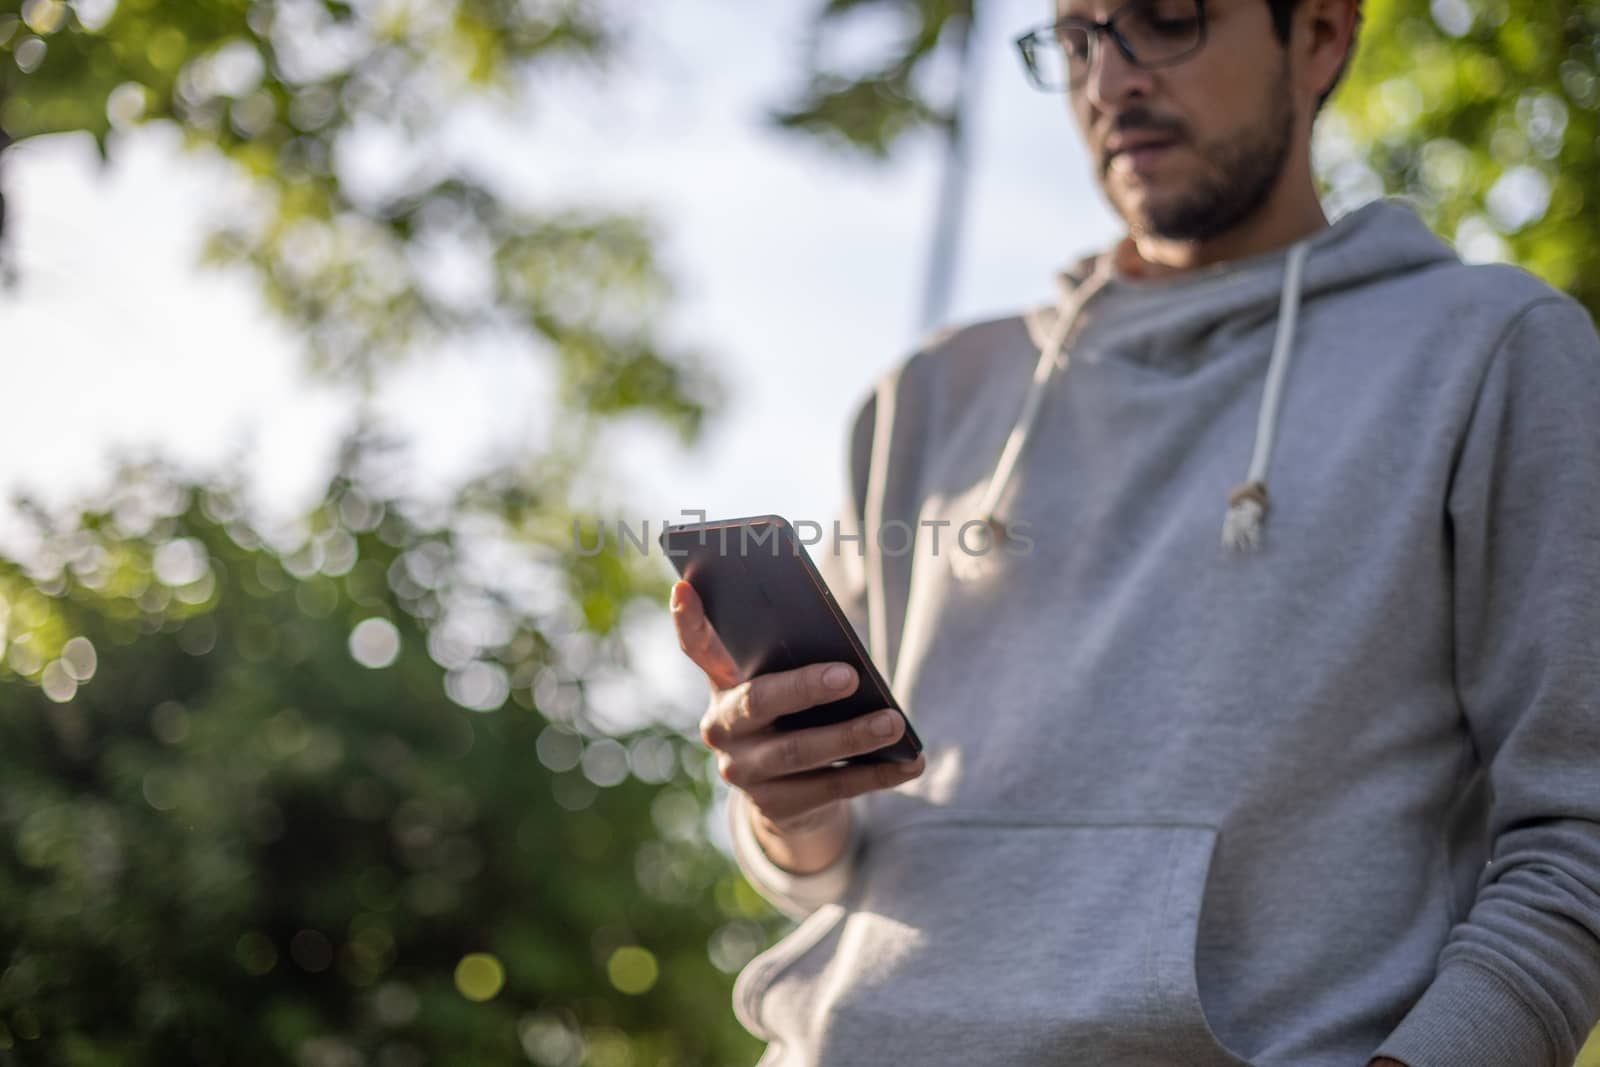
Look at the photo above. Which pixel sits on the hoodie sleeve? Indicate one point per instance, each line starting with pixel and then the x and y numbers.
pixel 842 563
pixel 796 895
pixel 1518 983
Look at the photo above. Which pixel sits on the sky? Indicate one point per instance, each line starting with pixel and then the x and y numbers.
pixel 799 271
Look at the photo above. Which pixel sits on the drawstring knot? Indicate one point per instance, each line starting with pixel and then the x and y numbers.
pixel 1247 510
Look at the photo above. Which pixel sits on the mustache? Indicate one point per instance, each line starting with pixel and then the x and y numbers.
pixel 1140 120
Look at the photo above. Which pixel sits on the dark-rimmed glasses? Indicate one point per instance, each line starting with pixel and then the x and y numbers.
pixel 1149 33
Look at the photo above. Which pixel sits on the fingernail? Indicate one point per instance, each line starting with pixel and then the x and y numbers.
pixel 836 676
pixel 676 600
pixel 883 723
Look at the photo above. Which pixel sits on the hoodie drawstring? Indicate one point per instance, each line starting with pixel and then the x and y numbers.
pixel 1052 357
pixel 1247 504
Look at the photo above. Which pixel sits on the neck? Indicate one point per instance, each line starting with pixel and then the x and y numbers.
pixel 1287 217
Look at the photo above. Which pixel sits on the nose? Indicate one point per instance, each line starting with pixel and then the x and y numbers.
pixel 1113 79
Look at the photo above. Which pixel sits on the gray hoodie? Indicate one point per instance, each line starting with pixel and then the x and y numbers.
pixel 1328 791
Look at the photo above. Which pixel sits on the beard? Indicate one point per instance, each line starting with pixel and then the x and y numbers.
pixel 1241 170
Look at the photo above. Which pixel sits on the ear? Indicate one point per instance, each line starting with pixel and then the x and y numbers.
pixel 1323 34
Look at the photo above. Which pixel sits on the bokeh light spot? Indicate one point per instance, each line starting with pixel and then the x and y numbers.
pixel 94 14
pixel 198 591
pixel 22 657
pixel 375 643
pixel 734 944
pixel 573 792
pixel 479 977
pixel 633 969
pixel 340 554
pixel 317 597
pixel 57 683
pixel 125 105
pixel 652 759
pixel 549 1040
pixel 29 53
pixel 166 47
pixel 676 814
pixel 478 686
pixel 44 16
pixel 181 562
pixel 559 749
pixel 356 511
pixel 1520 198
pixel 236 69
pixel 396 1004
pixel 169 722
pixel 256 953
pixel 1453 17
pixel 79 660
pixel 605 762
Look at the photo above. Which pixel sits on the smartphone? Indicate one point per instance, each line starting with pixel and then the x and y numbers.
pixel 773 612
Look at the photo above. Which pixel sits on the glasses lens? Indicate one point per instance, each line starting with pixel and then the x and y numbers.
pixel 1072 53
pixel 1156 32
pixel 1160 31
pixel 1056 57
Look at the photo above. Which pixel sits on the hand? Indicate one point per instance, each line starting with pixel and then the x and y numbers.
pixel 798 801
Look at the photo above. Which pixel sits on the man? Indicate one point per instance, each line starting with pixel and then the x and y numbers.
pixel 1214 775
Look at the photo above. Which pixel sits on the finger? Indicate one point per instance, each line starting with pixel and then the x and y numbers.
pixel 699 640
pixel 773 754
pixel 793 796
pixel 754 705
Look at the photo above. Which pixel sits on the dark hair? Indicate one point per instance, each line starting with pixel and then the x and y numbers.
pixel 1282 19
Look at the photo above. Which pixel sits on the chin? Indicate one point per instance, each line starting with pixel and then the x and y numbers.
pixel 1142 212
pixel 1171 215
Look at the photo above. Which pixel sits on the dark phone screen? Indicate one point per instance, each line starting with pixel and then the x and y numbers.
pixel 771 609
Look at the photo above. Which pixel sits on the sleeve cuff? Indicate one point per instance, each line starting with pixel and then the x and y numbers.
pixel 1470 1017
pixel 796 895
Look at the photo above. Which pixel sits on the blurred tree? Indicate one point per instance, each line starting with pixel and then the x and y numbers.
pixel 237 836
pixel 1486 114
pixel 288 90
pixel 338 802
pixel 871 109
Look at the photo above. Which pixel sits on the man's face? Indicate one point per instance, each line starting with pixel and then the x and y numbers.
pixel 1226 114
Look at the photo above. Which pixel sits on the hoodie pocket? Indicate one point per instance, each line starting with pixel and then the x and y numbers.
pixel 975 939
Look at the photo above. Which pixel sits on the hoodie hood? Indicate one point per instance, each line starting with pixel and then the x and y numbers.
pixel 1162 323
pixel 1168 324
